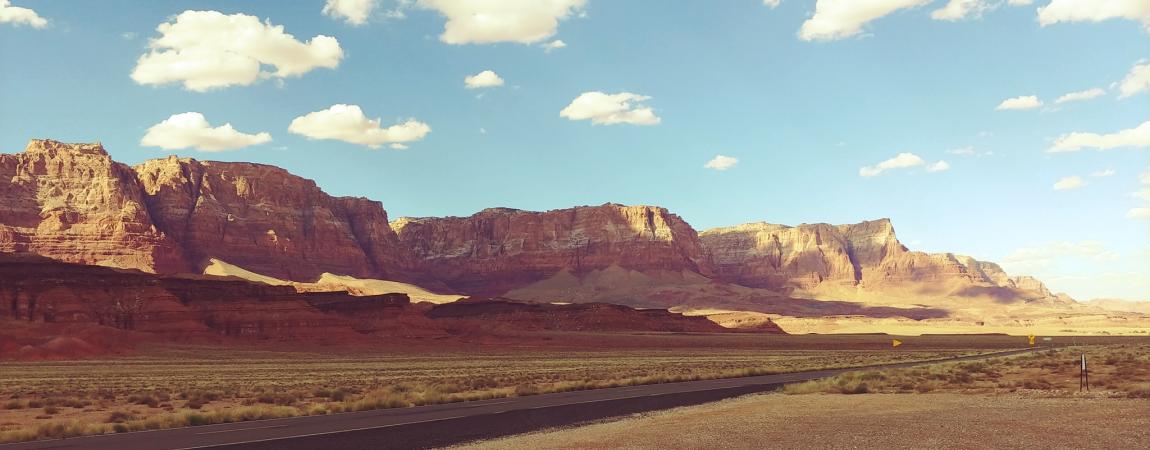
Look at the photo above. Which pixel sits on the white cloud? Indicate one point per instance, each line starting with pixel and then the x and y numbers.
pixel 771 3
pixel 1132 137
pixel 207 50
pixel 1080 95
pixel 610 109
pixel 1094 11
pixel 940 166
pixel 838 19
pixel 557 44
pixel 1071 182
pixel 1019 2
pixel 1142 212
pixel 16 15
pixel 398 146
pixel 962 9
pixel 128 35
pixel 347 123
pixel 1045 254
pixel 192 130
pixel 969 151
pixel 491 21
pixel 721 162
pixel 1103 173
pixel 901 161
pixel 1138 80
pixel 1020 102
pixel 483 79
pixel 354 12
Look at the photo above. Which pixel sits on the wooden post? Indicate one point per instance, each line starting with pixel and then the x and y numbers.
pixel 1084 376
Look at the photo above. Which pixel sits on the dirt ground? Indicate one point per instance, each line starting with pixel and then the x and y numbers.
pixel 912 421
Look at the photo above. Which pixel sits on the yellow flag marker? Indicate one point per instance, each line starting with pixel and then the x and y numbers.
pixel 1031 337
pixel 895 342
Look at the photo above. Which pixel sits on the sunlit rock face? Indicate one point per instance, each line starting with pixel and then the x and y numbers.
pixel 497 249
pixel 266 220
pixel 73 203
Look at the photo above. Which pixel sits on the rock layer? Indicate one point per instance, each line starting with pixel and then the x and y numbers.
pixel 498 249
pixel 73 203
pixel 866 254
pixel 267 220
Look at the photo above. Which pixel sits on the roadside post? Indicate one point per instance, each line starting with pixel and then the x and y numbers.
pixel 1084 376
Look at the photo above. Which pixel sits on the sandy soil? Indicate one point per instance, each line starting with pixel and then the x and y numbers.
pixel 926 421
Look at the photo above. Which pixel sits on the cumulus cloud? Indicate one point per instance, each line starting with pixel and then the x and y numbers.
pixel 483 79
pixel 1020 102
pixel 354 12
pixel 1067 183
pixel 940 166
pixel 900 161
pixel 347 123
pixel 1138 80
pixel 961 9
pixel 1133 137
pixel 838 19
pixel 491 21
pixel 721 162
pixel 207 50
pixel 1080 95
pixel 1045 254
pixel 1094 11
pixel 16 15
pixel 1019 2
pixel 610 109
pixel 192 130
pixel 557 44
pixel 1103 173
pixel 771 3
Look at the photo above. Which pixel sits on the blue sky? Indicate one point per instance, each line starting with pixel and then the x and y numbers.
pixel 735 78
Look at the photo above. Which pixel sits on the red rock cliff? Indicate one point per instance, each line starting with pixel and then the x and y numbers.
pixel 73 203
pixel 497 249
pixel 266 220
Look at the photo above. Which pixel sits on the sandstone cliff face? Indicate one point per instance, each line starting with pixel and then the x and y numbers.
pixel 775 256
pixel 867 254
pixel 497 249
pixel 267 220
pixel 72 202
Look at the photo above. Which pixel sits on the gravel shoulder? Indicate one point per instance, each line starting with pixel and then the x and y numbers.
pixel 926 421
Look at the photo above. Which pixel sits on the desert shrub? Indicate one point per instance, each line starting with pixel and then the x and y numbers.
pixel 144 399
pixel 120 417
pixel 51 410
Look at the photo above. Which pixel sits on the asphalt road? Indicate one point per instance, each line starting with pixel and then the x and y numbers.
pixel 447 424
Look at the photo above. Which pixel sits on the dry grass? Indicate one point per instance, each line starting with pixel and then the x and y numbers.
pixel 1115 371
pixel 61 399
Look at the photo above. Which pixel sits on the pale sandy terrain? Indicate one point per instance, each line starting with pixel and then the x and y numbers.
pixel 332 282
pixel 918 421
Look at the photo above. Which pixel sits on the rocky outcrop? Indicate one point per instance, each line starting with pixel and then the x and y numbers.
pixel 500 248
pixel 267 220
pixel 866 254
pixel 73 203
